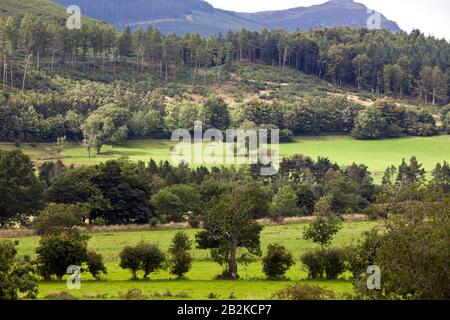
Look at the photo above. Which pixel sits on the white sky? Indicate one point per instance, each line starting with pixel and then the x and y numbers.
pixel 430 16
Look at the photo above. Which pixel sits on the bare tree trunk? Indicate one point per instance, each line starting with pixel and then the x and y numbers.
pixel 27 64
pixel 232 264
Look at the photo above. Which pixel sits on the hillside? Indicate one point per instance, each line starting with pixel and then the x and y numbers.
pixel 39 8
pixel 183 16
pixel 44 9
pixel 178 16
pixel 345 13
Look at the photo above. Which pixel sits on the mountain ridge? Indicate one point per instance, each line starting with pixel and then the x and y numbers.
pixel 181 16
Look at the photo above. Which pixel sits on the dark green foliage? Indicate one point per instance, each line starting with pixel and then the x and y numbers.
pixel 22 192
pixel 181 260
pixel 57 252
pixel 324 263
pixel 146 257
pixel 177 203
pixel 385 120
pixel 16 275
pixel 277 261
pixel 215 114
pixel 95 264
pixel 112 190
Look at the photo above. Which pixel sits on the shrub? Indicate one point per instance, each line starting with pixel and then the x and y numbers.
pixel 277 261
pixel 304 292
pixel 63 295
pixel 133 294
pixel 213 295
pixel 313 262
pixel 152 258
pixel 130 259
pixel 95 264
pixel 181 260
pixel 324 263
pixel 146 257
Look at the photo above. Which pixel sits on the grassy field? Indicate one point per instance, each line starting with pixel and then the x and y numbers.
pixel 344 150
pixel 200 280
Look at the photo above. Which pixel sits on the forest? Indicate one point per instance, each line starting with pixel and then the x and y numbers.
pixel 123 93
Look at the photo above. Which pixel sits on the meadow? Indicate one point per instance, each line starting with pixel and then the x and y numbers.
pixel 200 281
pixel 376 154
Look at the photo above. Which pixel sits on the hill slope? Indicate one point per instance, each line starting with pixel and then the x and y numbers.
pixel 39 8
pixel 344 13
pixel 179 16
pixel 45 9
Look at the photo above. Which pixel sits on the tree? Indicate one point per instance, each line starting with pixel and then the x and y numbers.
pixel 56 253
pixel 146 257
pixel 95 264
pixel 22 192
pixel 215 114
pixel 439 83
pixel 284 204
pixel 426 82
pixel 177 203
pixel 181 259
pixel 230 225
pixel 125 43
pixel 60 218
pixel 323 229
pixel 362 65
pixel 277 261
pixel 412 252
pixel 17 276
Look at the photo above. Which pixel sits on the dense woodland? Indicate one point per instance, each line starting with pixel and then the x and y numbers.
pixel 380 61
pixel 123 88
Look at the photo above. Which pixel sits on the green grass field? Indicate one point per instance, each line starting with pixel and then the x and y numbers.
pixel 344 150
pixel 200 280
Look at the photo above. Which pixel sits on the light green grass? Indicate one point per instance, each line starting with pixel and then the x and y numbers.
pixel 200 280
pixel 344 150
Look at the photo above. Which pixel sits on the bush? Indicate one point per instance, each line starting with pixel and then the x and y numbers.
pixel 56 253
pixel 16 275
pixel 63 295
pixel 95 264
pixel 277 261
pixel 133 294
pixel 146 257
pixel 304 292
pixel 324 263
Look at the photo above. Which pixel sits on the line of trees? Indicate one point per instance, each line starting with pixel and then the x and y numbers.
pixel 122 192
pixel 400 64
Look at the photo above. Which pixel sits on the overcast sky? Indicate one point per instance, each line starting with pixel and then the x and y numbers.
pixel 430 16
